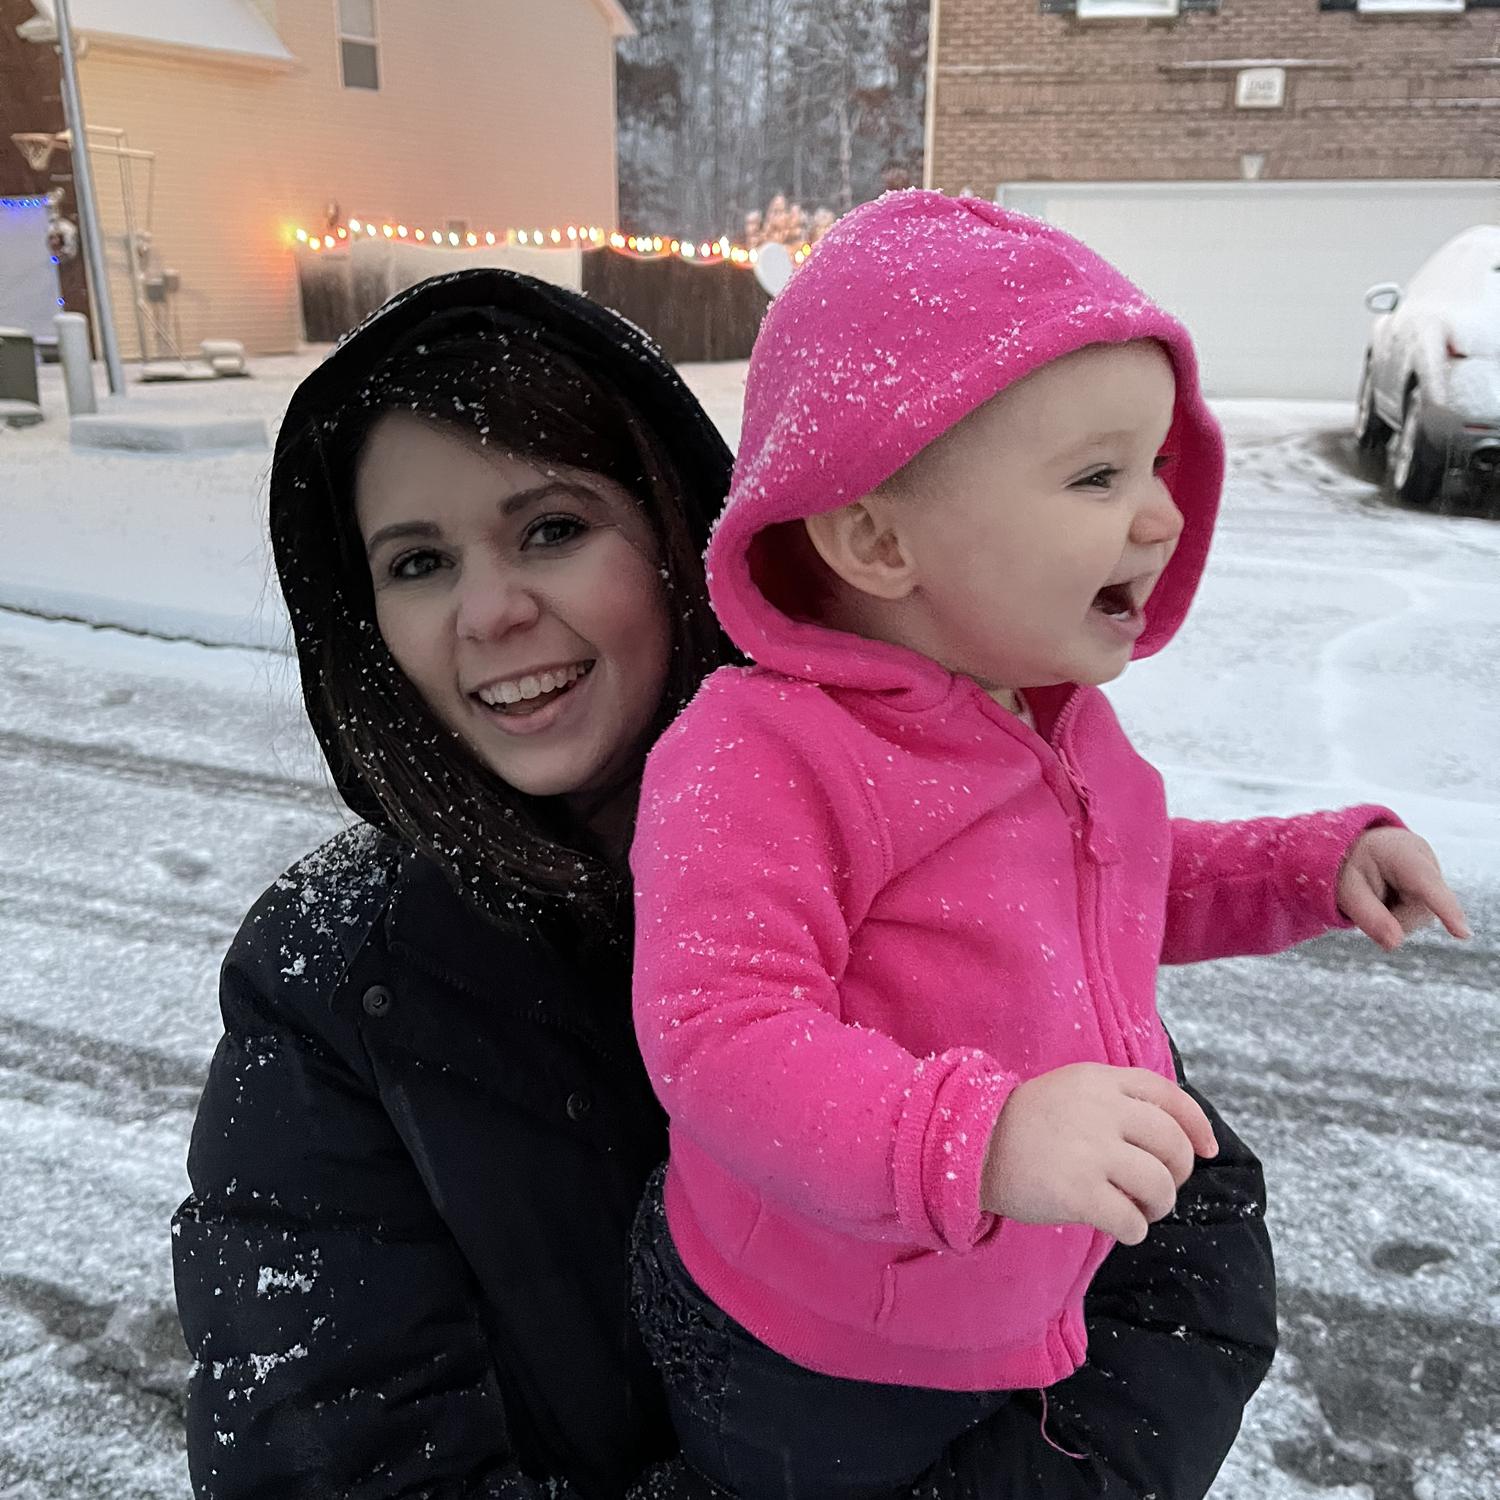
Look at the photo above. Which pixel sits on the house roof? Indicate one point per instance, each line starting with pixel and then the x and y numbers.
pixel 234 27
pixel 620 24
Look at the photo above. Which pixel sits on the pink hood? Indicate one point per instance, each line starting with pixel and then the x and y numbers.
pixel 912 312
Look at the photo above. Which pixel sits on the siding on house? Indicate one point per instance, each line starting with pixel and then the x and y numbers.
pixel 497 112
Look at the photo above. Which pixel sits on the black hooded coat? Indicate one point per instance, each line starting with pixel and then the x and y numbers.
pixel 403 1268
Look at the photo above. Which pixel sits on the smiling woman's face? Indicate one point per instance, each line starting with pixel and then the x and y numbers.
pixel 522 600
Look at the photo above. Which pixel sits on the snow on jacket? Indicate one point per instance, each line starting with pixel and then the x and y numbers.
pixel 870 900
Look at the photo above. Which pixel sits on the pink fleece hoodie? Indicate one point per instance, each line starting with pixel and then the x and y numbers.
pixel 871 901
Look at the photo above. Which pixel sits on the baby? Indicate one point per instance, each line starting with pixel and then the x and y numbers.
pixel 903 886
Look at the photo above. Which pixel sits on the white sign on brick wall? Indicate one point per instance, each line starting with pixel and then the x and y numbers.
pixel 1260 88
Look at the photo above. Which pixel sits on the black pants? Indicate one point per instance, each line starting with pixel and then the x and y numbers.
pixel 764 1428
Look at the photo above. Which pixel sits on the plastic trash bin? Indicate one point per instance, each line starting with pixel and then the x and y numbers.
pixel 18 366
pixel 19 399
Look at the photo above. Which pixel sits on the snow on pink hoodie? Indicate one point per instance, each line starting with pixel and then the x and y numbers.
pixel 871 901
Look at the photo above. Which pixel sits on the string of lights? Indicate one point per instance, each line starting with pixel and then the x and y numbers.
pixel 573 237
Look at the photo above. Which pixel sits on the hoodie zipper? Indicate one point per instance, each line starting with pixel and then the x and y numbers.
pixel 1092 926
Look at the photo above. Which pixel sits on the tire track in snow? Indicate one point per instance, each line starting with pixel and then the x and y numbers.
pixel 1281 1092
pixel 30 901
pixel 1394 1387
pixel 57 1067
pixel 124 764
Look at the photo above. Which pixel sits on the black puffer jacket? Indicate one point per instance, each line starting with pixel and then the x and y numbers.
pixel 403 1267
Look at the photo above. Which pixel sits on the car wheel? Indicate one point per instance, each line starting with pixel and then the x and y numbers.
pixel 1370 432
pixel 1416 462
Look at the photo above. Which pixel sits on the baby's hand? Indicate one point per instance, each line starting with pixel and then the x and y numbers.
pixel 1391 885
pixel 1090 1144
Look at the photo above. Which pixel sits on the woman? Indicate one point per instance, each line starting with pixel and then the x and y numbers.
pixel 403 1266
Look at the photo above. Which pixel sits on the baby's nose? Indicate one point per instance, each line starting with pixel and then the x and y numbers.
pixel 1159 521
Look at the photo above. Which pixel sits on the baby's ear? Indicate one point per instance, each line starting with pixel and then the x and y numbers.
pixel 860 545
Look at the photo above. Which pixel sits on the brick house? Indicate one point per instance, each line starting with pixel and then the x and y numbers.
pixel 1180 90
pixel 262 115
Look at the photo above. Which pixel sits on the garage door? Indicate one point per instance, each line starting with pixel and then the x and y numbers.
pixel 1270 276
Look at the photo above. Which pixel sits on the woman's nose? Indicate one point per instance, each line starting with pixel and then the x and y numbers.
pixel 492 602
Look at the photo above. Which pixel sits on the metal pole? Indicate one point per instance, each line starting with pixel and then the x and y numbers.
pixel 88 206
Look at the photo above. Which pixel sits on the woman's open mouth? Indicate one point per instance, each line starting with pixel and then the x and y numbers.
pixel 530 703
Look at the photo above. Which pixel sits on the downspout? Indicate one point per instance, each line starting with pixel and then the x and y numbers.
pixel 930 122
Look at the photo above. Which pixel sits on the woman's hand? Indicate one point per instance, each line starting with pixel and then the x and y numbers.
pixel 1091 1144
pixel 1391 885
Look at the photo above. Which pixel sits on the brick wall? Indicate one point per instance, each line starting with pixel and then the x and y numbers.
pixel 1026 91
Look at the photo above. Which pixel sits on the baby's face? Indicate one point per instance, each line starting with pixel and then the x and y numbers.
pixel 1039 525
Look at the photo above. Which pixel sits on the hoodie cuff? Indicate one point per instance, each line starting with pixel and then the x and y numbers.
pixel 1320 853
pixel 941 1144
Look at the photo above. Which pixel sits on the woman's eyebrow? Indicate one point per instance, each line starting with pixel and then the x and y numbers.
pixel 538 492
pixel 400 529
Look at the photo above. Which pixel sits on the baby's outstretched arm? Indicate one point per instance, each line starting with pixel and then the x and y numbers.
pixel 1391 885
pixel 1259 885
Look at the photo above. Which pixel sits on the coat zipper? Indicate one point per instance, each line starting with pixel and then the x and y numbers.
pixel 1092 927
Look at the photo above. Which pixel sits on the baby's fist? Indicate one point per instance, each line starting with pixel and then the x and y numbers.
pixel 1391 885
pixel 1091 1144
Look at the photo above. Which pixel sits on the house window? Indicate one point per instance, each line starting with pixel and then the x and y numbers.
pixel 359 54
pixel 1091 10
pixel 1399 7
pixel 1153 10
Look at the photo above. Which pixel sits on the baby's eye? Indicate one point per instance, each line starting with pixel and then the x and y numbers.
pixel 553 531
pixel 416 564
pixel 1100 479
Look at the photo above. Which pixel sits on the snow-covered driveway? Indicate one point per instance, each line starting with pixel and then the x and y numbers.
pixel 149 790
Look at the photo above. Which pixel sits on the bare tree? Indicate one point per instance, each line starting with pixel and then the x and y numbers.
pixel 725 103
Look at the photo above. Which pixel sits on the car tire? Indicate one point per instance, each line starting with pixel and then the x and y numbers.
pixel 1416 467
pixel 1370 432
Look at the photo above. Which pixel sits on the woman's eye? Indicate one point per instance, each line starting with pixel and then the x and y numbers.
pixel 416 564
pixel 553 531
pixel 1163 462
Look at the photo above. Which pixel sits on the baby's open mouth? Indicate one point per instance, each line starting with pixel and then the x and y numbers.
pixel 519 697
pixel 1117 600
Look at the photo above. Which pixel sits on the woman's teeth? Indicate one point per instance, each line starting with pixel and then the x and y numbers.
pixel 540 685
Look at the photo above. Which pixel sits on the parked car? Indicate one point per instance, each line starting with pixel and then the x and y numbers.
pixel 1429 398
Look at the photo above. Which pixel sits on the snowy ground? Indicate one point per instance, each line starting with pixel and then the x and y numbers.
pixel 150 789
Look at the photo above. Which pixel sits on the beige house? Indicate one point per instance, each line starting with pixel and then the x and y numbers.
pixel 256 117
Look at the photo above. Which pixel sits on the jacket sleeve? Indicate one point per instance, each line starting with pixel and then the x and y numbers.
pixel 1182 1330
pixel 757 850
pixel 336 1346
pixel 1258 886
